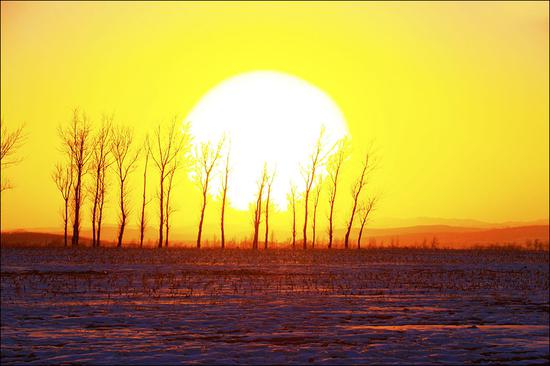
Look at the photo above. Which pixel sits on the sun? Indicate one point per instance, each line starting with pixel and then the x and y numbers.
pixel 269 117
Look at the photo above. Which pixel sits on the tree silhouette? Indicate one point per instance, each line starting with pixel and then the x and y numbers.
pixel 224 185
pixel 169 209
pixel 165 148
pixel 269 178
pixel 206 158
pixel 334 166
pixel 291 197
pixel 355 192
pixel 365 211
pixel 316 195
pixel 77 146
pixel 258 209
pixel 144 202
pixel 315 160
pixel 125 162
pixel 98 165
pixel 63 179
pixel 10 144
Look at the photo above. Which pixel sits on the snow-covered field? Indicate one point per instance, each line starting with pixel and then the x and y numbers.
pixel 133 306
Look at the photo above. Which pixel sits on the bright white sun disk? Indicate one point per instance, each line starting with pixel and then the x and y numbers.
pixel 269 117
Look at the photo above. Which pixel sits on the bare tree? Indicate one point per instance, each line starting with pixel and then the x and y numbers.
pixel 76 141
pixel 11 142
pixel 316 195
pixel 169 209
pixel 175 166
pixel 258 209
pixel 101 198
pixel 63 179
pixel 144 202
pixel 365 211
pixel 315 161
pixel 165 148
pixel 292 200
pixel 355 192
pixel 125 162
pixel 98 166
pixel 334 166
pixel 225 182
pixel 205 157
pixel 269 181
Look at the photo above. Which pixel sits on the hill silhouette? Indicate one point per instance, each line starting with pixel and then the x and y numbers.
pixel 421 235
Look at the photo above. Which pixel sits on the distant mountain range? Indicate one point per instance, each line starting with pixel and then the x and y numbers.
pixel 455 236
pixel 418 235
pixel 389 222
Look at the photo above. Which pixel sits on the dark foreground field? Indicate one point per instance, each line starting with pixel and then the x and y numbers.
pixel 110 306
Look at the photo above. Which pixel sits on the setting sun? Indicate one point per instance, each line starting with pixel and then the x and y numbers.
pixel 269 117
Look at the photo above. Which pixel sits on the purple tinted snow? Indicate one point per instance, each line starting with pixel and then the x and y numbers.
pixel 231 307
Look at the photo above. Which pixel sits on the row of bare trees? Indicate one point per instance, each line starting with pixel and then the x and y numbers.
pixel 112 148
pixel 94 157
pixel 92 154
pixel 332 159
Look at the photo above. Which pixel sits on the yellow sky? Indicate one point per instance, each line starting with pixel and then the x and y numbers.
pixel 454 95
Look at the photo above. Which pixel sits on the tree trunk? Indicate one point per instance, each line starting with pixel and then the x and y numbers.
pixel 223 217
pixel 141 228
pixel 359 237
pixel 204 193
pixel 293 228
pixel 167 226
pixel 76 223
pixel 121 231
pixel 257 218
pixel 99 219
pixel 94 210
pixel 314 225
pixel 267 217
pixel 199 235
pixel 93 226
pixel 66 221
pixel 305 220
pixel 350 224
pixel 123 216
pixel 142 222
pixel 330 227
pixel 161 215
pixel 167 213
pixel 100 213
pixel 348 231
pixel 167 232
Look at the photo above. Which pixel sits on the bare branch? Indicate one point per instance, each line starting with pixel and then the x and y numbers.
pixel 10 144
pixel 365 209
pixel 355 192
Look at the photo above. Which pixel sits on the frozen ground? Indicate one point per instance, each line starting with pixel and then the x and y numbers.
pixel 109 306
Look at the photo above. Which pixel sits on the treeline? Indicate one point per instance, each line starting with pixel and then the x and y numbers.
pixel 93 157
